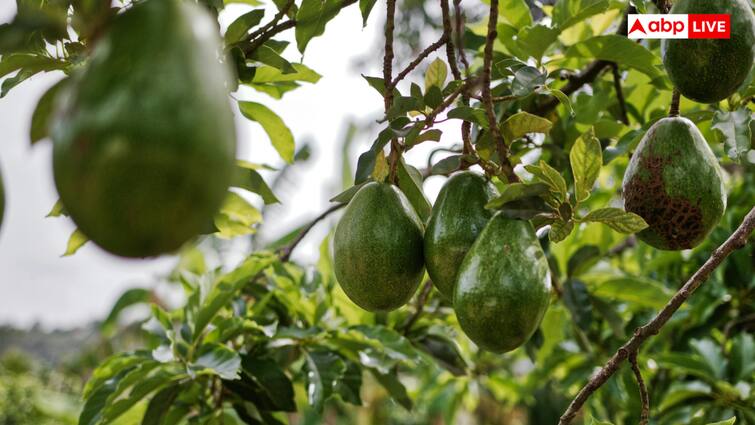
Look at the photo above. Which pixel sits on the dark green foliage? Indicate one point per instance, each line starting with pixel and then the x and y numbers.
pixel 503 287
pixel 378 248
pixel 142 174
pixel 674 182
pixel 710 70
pixel 459 215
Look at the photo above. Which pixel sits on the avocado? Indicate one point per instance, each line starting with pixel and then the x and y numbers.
pixel 458 216
pixel 674 182
pixel 144 140
pixel 710 70
pixel 378 248
pixel 503 286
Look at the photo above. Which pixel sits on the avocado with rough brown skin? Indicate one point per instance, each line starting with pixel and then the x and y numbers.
pixel 378 248
pixel 675 184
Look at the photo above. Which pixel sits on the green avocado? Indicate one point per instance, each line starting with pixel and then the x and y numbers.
pixel 674 182
pixel 378 248
pixel 459 215
pixel 144 139
pixel 503 287
pixel 710 70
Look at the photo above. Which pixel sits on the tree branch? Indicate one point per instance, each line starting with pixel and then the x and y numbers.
pixel 676 97
pixel 285 252
pixel 390 19
pixel 586 76
pixel 421 300
pixel 619 93
pixel 422 55
pixel 737 240
pixel 487 100
pixel 644 398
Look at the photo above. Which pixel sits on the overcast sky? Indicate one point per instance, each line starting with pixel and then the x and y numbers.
pixel 38 286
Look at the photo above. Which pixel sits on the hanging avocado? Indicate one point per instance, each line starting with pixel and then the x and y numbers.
pixel 144 140
pixel 503 286
pixel 674 182
pixel 459 215
pixel 378 248
pixel 710 70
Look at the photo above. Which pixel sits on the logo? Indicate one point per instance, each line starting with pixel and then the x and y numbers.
pixel 679 26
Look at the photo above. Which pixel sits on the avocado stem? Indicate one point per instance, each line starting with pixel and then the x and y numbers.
pixel 673 110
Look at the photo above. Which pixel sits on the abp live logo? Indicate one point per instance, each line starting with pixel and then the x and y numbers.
pixel 679 26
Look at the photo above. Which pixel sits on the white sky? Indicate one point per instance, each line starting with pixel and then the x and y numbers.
pixel 37 285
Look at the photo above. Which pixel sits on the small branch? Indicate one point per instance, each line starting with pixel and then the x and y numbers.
pixel 487 100
pixel 644 398
pixel 278 16
pixel 459 23
pixel 390 18
pixel 421 300
pixel 737 240
pixel 285 252
pixel 425 53
pixel 619 93
pixel 673 110
pixel 448 101
pixel 450 49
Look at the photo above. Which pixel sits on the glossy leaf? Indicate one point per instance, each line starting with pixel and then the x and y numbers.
pixel 279 134
pixel 617 219
pixel 586 159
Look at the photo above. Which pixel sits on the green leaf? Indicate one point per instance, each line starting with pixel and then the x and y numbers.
pixel 346 195
pixel 227 287
pixel 249 179
pixel 473 115
pixel 638 291
pixel 729 421
pixel 582 260
pixel 159 405
pixel 32 63
pixel 75 241
pixel 350 384
pixel 594 421
pixel 577 300
pixel 162 378
pixel 570 12
pixel 444 351
pixel 269 74
pixel 560 229
pixel 265 54
pixel 365 6
pixel 586 159
pixel 535 40
pixel 127 299
pixel 266 373
pixel 548 175
pixel 562 98
pixel 311 19
pixel 711 353
pixel 526 80
pixel 447 165
pixel 57 210
pixel 436 74
pixel 686 363
pixel 324 369
pixel 617 219
pixel 619 49
pixel 41 117
pixel 515 12
pixel 523 123
pixel 279 134
pixel 432 135
pixel 410 182
pixel 734 128
pixel 395 388
pixel 515 191
pixel 742 355
pixel 236 217
pixel 218 360
pixel 241 26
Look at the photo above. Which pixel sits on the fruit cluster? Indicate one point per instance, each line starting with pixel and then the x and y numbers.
pixel 491 267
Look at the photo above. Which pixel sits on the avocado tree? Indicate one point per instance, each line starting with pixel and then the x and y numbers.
pixel 594 226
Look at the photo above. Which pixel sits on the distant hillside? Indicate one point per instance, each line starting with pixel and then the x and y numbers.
pixel 50 346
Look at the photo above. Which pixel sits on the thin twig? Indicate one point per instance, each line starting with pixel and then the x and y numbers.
pixel 448 101
pixel 285 252
pixel 673 110
pixel 459 23
pixel 644 398
pixel 619 93
pixel 422 55
pixel 487 99
pixel 390 18
pixel 737 240
pixel 278 16
pixel 586 76
pixel 421 300
pixel 450 48
pixel 466 126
